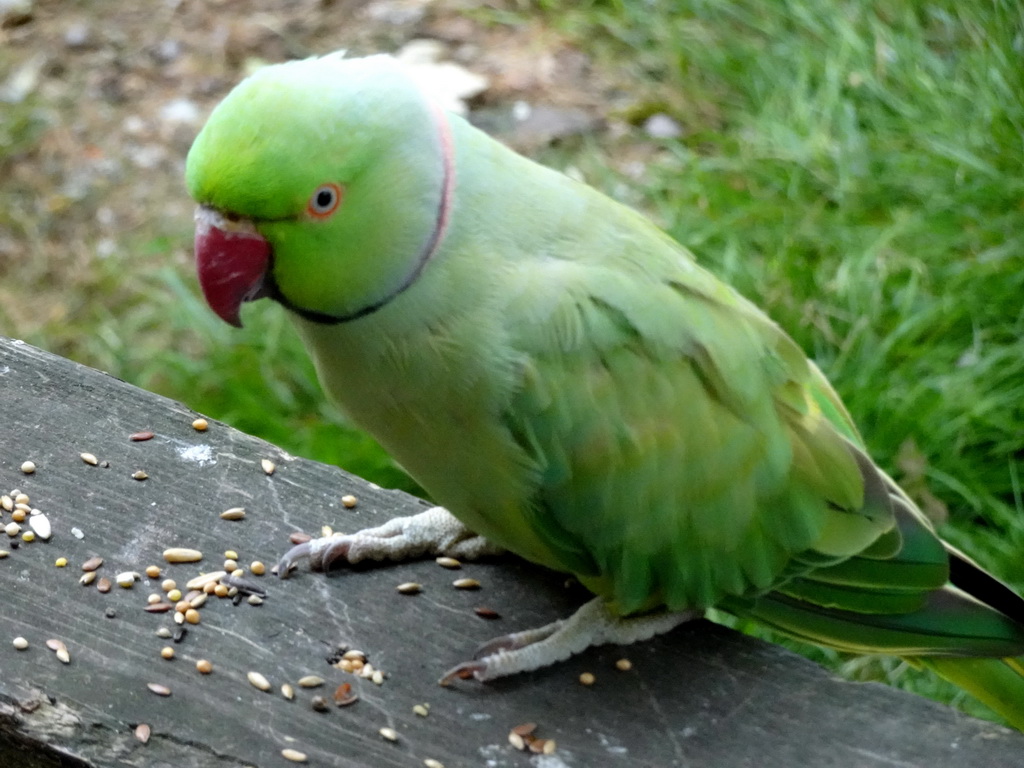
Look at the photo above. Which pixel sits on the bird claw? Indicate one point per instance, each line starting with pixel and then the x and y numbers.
pixel 291 559
pixel 464 671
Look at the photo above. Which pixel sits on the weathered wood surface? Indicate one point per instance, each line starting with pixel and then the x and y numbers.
pixel 701 696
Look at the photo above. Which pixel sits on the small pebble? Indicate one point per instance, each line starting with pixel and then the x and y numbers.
pixel 319 704
pixel 153 571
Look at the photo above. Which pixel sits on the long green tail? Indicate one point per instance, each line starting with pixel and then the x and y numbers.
pixel 997 683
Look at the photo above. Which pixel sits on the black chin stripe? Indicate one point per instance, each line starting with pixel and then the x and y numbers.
pixel 272 291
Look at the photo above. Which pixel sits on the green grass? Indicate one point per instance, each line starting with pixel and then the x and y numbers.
pixel 853 167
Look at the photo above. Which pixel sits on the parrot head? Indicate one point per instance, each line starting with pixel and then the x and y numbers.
pixel 323 184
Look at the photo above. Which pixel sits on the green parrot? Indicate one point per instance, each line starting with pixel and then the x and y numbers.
pixel 571 386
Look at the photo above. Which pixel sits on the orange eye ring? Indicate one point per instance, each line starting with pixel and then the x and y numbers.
pixel 324 201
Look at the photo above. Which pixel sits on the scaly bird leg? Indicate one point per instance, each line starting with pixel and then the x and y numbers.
pixel 435 531
pixel 592 624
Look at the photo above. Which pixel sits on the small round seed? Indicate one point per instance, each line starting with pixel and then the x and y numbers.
pixel 326 531
pixel 230 565
pixel 221 590
pixel 310 681
pixel 61 562
pixel 19 497
pixel 200 425
pixel 448 562
pixel 389 733
pixel 12 529
pixel 28 467
pixel 168 584
pixel 257 568
pixel 466 584
pixel 154 598
pixel 587 678
pixel 142 732
pixel 258 681
pixel 421 709
pixel 140 474
pixel 294 755
pixel 235 513
pixel 20 643
pixel 139 437
pixel 624 665
pixel 153 571
pixel 92 563
pixel 549 747
pixel 410 588
pixel 525 729
pixel 19 515
pixel 268 466
pixel 88 458
pixel 204 667
pixel 319 704
pixel 167 652
pixel 287 691
pixel 28 536
pixel 192 616
pixel 349 501
pixel 158 689
pixel 181 605
pixel 182 555
pixel 174 595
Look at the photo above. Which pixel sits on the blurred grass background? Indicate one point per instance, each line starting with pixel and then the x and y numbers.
pixel 854 167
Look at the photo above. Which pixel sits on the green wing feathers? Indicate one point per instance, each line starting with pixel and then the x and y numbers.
pixel 701 460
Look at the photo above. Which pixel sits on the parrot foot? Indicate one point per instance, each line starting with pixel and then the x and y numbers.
pixel 592 624
pixel 436 531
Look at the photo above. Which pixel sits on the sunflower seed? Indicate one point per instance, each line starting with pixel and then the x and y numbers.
pixel 235 513
pixel 158 689
pixel 88 458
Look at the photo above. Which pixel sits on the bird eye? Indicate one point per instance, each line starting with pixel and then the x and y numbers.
pixel 325 200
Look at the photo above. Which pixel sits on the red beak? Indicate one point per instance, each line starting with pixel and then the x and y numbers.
pixel 232 260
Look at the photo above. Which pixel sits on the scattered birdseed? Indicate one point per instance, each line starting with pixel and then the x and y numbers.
pixel 92 563
pixel 294 755
pixel 326 531
pixel 7 502
pixel 587 678
pixel 349 501
pixel 542 746
pixel 103 584
pixel 486 613
pixel 448 562
pixel 157 607
pixel 198 601
pixel 28 536
pixel 192 616
pixel 432 763
pixel 254 600
pixel 174 595
pixel 230 565
pixel 3 553
pixel 421 709
pixel 19 497
pixel 12 529
pixel 63 655
pixel 19 515
pixel 353 654
pixel 310 681
pixel 466 584
pixel 258 681
pixel 624 665
pixel 142 732
pixel 344 695
pixel 182 555
pixel 158 689
pixel 54 644
pixel 235 513
pixel 163 632
pixel 410 588
pixel 126 579
pixel 153 571
pixel 526 729
pixel 299 537
pixel 200 582
pixel 516 740
pixel 268 466
pixel 61 562
pixel 257 568
pixel 88 458
pixel 87 578
pixel 389 733
pixel 28 467
pixel 377 677
pixel 287 691
pixel 167 652
pixel 20 643
pixel 139 437
pixel 140 475
pixel 200 425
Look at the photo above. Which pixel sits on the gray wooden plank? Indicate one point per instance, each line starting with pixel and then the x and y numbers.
pixel 702 695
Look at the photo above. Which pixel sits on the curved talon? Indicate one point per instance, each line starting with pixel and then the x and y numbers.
pixel 463 671
pixel 291 558
pixel 496 645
